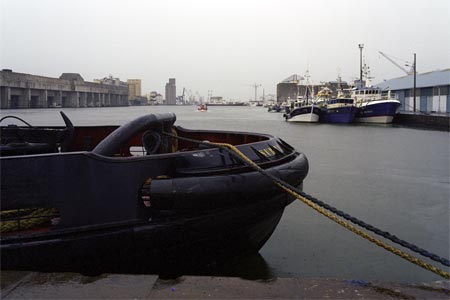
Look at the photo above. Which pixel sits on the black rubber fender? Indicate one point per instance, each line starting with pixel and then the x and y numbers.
pixel 112 143
pixel 212 192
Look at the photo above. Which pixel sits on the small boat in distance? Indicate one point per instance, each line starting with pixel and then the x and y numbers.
pixel 274 108
pixel 374 105
pixel 147 196
pixel 202 107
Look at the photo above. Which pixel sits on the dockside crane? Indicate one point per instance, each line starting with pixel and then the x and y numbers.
pixel 256 86
pixel 410 72
pixel 182 96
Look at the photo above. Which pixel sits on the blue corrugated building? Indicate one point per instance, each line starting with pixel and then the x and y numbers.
pixel 432 91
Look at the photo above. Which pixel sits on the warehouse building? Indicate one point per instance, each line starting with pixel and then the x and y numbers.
pixel 432 91
pixel 295 85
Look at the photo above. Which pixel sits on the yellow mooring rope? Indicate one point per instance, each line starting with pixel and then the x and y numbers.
pixel 350 227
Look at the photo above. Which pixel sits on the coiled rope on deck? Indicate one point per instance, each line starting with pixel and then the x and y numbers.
pixel 323 208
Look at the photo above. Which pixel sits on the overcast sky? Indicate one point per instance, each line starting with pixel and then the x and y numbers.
pixel 223 46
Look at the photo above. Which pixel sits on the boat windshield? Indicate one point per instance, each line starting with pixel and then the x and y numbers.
pixel 342 100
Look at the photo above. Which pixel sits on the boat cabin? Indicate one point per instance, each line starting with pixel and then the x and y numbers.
pixel 368 94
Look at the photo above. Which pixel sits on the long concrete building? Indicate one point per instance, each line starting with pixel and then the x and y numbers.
pixel 18 90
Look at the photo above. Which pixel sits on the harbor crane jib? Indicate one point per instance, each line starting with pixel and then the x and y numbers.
pixel 410 72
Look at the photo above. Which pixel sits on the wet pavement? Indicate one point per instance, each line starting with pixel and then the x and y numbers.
pixel 34 285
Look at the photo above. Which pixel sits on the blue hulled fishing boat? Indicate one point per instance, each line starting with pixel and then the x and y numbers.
pixel 374 105
pixel 339 110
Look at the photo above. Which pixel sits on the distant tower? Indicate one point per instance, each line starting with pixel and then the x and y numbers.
pixel 171 92
pixel 134 88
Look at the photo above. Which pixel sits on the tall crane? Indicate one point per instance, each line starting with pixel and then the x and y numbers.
pixel 182 96
pixel 410 72
pixel 256 86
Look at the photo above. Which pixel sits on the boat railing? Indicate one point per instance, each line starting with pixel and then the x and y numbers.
pixel 20 219
pixel 383 95
pixel 387 95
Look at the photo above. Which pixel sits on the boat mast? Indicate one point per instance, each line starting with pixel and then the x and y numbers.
pixel 307 84
pixel 340 91
pixel 414 87
pixel 361 46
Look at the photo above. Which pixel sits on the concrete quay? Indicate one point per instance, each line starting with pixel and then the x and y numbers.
pixel 420 120
pixel 18 90
pixel 33 285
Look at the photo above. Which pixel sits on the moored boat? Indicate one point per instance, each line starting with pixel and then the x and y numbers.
pixel 274 108
pixel 374 105
pixel 304 112
pixel 305 109
pixel 147 195
pixel 339 110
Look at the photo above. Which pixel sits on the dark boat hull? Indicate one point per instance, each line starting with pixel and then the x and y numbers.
pixel 180 207
pixel 377 111
pixel 195 220
pixel 165 247
pixel 339 115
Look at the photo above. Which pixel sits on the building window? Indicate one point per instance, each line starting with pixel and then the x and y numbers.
pixel 436 91
pixel 440 90
pixel 426 92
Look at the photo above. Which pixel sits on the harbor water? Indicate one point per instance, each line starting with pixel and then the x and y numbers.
pixel 394 178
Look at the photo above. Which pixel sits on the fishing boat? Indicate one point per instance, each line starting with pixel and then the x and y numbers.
pixel 147 195
pixel 340 109
pixel 304 110
pixel 274 108
pixel 374 105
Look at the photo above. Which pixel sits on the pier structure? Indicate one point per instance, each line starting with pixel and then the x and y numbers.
pixel 19 90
